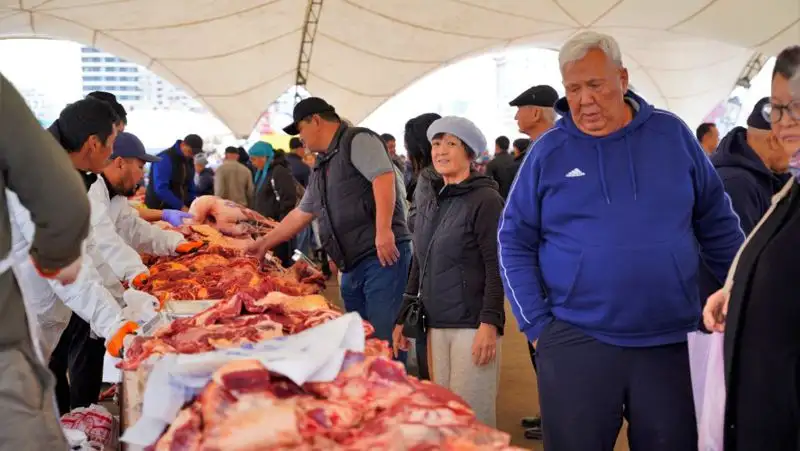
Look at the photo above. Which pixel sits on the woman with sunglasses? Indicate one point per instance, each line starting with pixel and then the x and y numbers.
pixel 758 309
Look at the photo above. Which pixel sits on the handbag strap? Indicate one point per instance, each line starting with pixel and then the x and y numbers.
pixel 436 220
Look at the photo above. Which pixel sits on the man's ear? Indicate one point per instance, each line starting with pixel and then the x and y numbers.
pixel 623 78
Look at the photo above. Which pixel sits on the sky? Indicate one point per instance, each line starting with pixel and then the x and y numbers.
pixel 51 67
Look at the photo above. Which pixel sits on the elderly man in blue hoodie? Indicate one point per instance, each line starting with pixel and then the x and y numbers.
pixel 599 245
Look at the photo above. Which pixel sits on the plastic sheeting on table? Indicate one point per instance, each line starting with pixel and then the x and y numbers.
pixel 314 355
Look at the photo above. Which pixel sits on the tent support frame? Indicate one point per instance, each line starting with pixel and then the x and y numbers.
pixel 313 12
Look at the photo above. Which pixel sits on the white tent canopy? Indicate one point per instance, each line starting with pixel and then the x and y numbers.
pixel 236 56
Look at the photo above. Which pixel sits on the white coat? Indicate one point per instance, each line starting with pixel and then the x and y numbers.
pixel 52 303
pixel 120 234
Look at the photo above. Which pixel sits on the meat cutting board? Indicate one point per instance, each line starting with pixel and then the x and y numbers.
pixel 177 308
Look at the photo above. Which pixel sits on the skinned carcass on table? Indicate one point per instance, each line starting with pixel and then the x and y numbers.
pixel 229 217
pixel 372 405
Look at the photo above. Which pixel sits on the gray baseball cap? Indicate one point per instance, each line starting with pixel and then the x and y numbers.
pixel 462 128
pixel 201 159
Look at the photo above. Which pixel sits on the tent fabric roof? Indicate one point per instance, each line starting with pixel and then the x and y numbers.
pixel 236 56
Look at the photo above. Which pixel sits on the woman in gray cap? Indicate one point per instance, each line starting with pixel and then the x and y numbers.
pixel 454 274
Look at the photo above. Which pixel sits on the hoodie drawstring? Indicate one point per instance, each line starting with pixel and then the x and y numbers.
pixel 602 169
pixel 631 171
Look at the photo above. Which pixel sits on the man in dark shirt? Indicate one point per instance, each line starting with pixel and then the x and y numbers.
pixel 300 170
pixel 172 178
pixel 500 168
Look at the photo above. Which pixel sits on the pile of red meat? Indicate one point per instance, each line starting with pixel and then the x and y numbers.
pixel 211 274
pixel 249 316
pixel 371 405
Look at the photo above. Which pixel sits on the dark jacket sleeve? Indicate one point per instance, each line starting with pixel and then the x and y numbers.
pixel 206 185
pixel 485 222
pixel 38 170
pixel 285 189
pixel 746 202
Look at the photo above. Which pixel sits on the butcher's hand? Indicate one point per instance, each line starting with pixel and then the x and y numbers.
pixel 188 246
pixel 258 249
pixel 386 247
pixel 117 342
pixel 140 280
pixel 399 341
pixel 175 217
pixel 65 275
pixel 484 345
pixel 716 310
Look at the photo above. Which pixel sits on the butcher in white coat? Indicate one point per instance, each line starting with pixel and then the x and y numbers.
pixel 85 129
pixel 120 232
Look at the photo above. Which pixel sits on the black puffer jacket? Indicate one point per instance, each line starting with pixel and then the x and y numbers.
pixel 455 269
pixel 422 192
pixel 277 195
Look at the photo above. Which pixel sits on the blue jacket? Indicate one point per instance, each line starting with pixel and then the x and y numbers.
pixel 171 180
pixel 606 233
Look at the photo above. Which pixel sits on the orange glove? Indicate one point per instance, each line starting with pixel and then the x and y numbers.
pixel 65 275
pixel 139 281
pixel 115 344
pixel 188 246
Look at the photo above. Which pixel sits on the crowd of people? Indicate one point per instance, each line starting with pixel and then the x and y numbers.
pixel 612 233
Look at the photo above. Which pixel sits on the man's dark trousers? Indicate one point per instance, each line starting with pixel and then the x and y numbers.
pixel 587 387
pixel 80 356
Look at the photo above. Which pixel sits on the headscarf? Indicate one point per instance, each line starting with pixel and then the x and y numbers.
pixel 262 149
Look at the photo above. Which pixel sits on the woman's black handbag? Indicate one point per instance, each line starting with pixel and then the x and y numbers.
pixel 413 317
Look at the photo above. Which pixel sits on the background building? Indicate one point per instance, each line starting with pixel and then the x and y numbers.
pixel 134 86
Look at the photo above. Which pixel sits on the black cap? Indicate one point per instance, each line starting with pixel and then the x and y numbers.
pixel 111 99
pixel 128 145
pixel 539 95
pixel 756 119
pixel 195 142
pixel 306 108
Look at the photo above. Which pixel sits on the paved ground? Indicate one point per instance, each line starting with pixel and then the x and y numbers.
pixel 518 395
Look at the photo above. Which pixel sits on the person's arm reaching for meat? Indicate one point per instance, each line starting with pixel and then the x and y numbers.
pixel 143 236
pixel 370 158
pixel 290 226
pixel 162 173
pixel 297 219
pixel 518 240
pixel 37 169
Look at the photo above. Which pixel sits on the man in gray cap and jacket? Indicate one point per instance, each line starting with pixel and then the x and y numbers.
pixel 35 167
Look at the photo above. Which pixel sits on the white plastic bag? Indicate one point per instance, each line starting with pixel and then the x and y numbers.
pixel 708 381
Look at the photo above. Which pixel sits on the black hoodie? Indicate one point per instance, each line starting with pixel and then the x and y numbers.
pixel 455 268
pixel 748 181
pixel 750 185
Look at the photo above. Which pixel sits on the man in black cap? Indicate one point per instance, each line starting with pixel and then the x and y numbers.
pixel 535 115
pixel 357 198
pixel 752 167
pixel 172 179
pixel 111 99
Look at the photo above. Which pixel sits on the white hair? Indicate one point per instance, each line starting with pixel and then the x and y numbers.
pixel 548 114
pixel 580 44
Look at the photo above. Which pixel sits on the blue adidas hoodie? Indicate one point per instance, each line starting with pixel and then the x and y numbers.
pixel 606 233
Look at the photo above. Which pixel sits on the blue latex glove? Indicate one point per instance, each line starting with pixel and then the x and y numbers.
pixel 175 217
